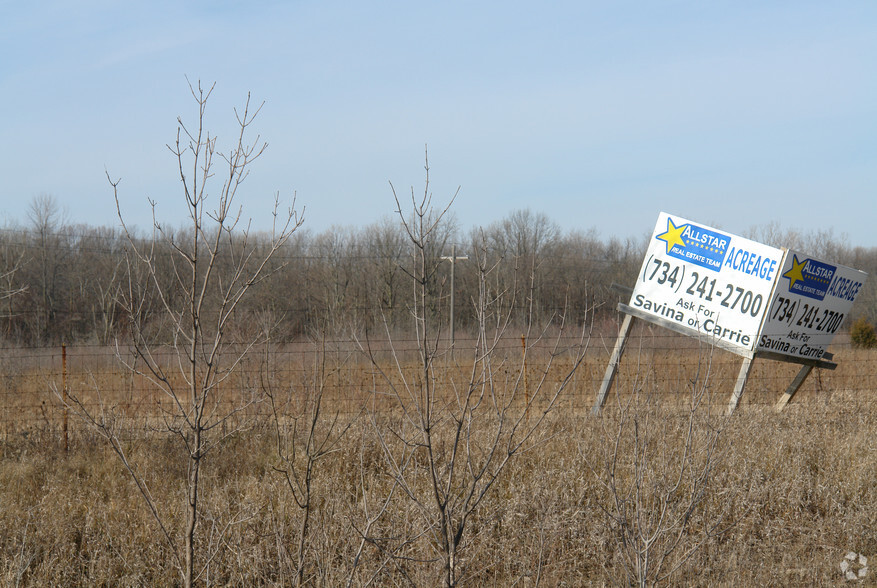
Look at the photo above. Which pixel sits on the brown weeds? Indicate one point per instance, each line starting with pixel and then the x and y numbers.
pixel 792 492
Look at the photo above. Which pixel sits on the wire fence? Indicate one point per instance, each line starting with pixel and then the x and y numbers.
pixel 38 386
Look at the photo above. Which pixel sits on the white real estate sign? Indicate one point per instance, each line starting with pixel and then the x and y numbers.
pixel 707 283
pixel 811 300
pixel 740 295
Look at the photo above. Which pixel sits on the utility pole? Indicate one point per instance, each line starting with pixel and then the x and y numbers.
pixel 453 259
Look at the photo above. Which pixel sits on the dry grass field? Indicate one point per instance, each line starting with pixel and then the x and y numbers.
pixel 758 499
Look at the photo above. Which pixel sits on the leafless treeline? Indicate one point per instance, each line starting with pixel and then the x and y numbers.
pixel 64 281
pixel 61 282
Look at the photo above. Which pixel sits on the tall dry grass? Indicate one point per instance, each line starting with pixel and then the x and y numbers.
pixel 792 492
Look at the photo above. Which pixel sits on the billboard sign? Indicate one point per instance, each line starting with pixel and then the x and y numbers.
pixel 706 283
pixel 811 301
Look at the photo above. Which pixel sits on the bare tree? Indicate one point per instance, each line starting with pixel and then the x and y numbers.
pixel 96 267
pixel 197 309
pixel 386 244
pixel 524 240
pixel 12 257
pixel 457 426
pixel 656 466
pixel 305 436
pixel 49 243
pixel 335 303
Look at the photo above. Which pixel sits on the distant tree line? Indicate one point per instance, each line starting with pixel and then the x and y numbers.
pixel 63 282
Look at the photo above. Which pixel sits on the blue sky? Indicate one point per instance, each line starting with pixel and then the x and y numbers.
pixel 598 114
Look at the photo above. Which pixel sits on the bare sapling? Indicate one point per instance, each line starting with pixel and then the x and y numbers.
pixel 458 419
pixel 182 294
pixel 306 433
pixel 655 463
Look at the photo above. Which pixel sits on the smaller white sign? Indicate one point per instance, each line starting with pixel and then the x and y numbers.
pixel 811 301
pixel 706 282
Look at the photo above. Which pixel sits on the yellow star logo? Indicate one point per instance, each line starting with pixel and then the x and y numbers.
pixel 796 272
pixel 673 235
